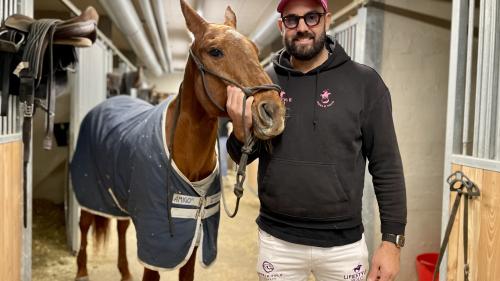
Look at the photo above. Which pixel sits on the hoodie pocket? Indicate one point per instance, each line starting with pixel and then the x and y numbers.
pixel 302 189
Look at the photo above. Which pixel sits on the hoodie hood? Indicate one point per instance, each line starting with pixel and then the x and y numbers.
pixel 336 58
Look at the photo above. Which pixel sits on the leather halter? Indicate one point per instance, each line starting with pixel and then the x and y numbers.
pixel 248 91
pixel 249 140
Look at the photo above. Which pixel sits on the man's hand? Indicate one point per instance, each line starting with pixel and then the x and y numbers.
pixel 385 263
pixel 234 105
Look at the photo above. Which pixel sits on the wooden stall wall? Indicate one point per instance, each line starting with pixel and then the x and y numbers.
pixel 483 231
pixel 10 210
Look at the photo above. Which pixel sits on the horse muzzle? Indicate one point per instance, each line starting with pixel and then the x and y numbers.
pixel 268 119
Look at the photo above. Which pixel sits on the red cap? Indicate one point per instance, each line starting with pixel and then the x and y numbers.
pixel 283 3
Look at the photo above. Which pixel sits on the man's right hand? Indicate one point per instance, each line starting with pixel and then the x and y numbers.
pixel 234 106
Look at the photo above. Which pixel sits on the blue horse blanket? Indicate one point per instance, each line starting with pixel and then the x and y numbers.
pixel 120 169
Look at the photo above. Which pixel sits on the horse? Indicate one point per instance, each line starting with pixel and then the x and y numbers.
pixel 122 84
pixel 219 56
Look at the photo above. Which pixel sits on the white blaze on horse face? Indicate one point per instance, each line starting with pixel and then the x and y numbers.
pixel 236 34
pixel 239 36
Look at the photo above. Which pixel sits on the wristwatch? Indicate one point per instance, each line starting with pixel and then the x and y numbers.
pixel 398 240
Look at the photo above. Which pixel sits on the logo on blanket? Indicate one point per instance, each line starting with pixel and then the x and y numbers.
pixel 358 274
pixel 267 266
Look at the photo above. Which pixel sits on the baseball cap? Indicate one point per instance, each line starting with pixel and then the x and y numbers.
pixel 283 3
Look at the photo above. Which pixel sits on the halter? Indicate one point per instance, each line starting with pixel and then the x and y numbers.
pixel 248 91
pixel 249 140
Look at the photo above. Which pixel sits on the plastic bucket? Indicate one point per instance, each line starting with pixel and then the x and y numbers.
pixel 426 263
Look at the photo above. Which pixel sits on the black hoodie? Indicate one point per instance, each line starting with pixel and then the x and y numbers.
pixel 311 182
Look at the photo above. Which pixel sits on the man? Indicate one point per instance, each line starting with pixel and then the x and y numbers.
pixel 311 181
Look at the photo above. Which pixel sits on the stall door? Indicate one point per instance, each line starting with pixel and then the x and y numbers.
pixel 11 188
pixel 473 137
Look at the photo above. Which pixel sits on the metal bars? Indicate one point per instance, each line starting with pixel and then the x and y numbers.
pixel 345 34
pixel 10 128
pixel 497 134
pixel 466 140
pixel 11 124
pixel 486 134
pixel 475 127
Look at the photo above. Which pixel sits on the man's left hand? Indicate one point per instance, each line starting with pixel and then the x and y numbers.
pixel 385 263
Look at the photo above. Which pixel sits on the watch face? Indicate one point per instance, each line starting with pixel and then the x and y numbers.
pixel 400 240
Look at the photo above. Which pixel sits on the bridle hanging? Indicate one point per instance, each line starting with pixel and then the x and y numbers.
pixel 469 190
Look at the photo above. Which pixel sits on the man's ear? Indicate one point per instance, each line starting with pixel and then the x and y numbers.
pixel 328 20
pixel 280 26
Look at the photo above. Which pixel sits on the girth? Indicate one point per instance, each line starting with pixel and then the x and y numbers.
pixel 30 71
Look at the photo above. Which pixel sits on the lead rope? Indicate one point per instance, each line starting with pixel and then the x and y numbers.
pixel 241 172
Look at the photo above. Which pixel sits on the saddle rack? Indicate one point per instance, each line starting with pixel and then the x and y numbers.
pixel 31 52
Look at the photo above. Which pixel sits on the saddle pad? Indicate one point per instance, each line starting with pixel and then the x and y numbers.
pixel 120 169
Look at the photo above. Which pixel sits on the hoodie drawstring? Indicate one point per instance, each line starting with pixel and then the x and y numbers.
pixel 315 117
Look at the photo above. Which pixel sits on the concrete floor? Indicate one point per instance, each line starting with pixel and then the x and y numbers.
pixel 236 257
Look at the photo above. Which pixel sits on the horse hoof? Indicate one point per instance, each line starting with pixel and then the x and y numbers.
pixel 83 278
pixel 128 279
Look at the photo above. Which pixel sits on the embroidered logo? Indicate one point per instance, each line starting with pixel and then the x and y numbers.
pixel 284 98
pixel 358 274
pixel 325 99
pixel 267 266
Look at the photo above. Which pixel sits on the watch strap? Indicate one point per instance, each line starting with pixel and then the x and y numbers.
pixel 398 240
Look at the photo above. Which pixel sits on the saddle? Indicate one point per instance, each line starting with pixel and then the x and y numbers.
pixel 26 45
pixel 78 31
pixel 32 53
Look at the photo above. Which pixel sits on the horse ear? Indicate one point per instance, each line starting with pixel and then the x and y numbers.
pixel 195 23
pixel 230 17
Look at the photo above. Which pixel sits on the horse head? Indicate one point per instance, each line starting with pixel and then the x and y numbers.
pixel 221 49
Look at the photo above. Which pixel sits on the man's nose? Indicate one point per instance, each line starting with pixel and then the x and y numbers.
pixel 302 26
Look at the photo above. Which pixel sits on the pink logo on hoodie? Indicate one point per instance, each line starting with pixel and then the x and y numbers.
pixel 324 100
pixel 284 98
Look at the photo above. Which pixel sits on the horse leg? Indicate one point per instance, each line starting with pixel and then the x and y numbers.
pixel 186 273
pixel 122 226
pixel 86 220
pixel 150 275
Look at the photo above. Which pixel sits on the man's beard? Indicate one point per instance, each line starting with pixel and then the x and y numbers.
pixel 304 52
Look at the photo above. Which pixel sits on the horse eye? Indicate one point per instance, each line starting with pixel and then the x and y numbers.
pixel 216 53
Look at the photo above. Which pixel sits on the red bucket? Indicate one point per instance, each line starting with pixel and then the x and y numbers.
pixel 426 263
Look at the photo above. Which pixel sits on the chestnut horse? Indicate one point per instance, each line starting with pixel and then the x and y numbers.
pixel 191 120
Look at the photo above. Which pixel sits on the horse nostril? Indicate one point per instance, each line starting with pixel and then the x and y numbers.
pixel 266 111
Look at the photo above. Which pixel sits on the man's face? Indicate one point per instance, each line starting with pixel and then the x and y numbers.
pixel 304 42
